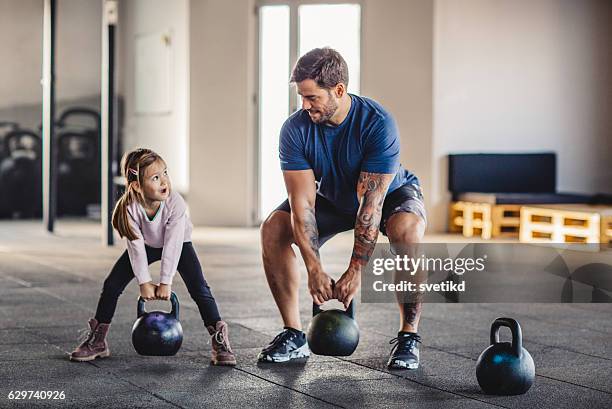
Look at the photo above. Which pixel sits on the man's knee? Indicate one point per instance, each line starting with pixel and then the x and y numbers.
pixel 276 230
pixel 405 228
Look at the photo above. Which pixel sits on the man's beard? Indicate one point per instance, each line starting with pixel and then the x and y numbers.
pixel 327 112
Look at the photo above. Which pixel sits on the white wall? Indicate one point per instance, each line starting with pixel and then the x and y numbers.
pixel 397 71
pixel 21 52
pixel 522 76
pixel 77 56
pixel 165 133
pixel 79 48
pixel 222 66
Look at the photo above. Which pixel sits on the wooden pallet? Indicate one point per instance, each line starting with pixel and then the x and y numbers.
pixel 606 232
pixel 484 220
pixel 566 224
pixel 506 220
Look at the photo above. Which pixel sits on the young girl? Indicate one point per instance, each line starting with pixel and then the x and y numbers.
pixel 153 218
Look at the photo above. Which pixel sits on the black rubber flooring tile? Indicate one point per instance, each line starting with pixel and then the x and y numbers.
pixel 17 336
pixel 265 397
pixel 443 368
pixel 306 371
pixel 389 393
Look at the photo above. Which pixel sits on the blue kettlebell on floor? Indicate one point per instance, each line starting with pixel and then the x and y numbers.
pixel 157 333
pixel 333 332
pixel 505 368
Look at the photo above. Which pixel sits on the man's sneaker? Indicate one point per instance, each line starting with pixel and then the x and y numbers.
pixel 405 352
pixel 289 344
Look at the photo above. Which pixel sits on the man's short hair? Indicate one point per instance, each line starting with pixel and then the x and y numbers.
pixel 324 65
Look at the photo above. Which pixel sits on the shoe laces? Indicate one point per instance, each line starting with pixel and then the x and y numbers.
pixel 85 336
pixel 221 340
pixel 405 343
pixel 283 336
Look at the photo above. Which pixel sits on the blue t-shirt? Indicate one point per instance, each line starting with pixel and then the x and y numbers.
pixel 367 140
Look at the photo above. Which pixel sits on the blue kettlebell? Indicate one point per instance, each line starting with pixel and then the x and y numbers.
pixel 157 333
pixel 505 368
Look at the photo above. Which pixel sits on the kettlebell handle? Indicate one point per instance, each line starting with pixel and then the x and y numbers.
pixel 350 311
pixel 173 300
pixel 16 134
pixel 515 328
pixel 61 122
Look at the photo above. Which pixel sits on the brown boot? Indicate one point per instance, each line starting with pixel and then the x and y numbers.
pixel 94 345
pixel 221 350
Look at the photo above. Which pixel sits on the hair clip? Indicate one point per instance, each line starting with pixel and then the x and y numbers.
pixel 132 171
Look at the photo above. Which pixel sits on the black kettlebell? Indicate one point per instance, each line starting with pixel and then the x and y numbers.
pixel 157 333
pixel 21 174
pixel 78 161
pixel 333 332
pixel 5 128
pixel 505 368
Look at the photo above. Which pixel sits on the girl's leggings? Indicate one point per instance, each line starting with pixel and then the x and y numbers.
pixel 188 267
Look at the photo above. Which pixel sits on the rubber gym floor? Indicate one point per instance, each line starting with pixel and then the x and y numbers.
pixel 50 285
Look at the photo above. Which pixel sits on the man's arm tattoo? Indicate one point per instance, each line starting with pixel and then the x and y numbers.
pixel 372 188
pixel 311 231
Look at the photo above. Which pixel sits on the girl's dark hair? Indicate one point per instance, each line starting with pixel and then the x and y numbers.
pixel 133 165
pixel 323 65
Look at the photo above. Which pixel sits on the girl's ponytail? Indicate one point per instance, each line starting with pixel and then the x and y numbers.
pixel 133 165
pixel 121 221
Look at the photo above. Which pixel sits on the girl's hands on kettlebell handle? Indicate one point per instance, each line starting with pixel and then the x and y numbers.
pixel 162 292
pixel 147 291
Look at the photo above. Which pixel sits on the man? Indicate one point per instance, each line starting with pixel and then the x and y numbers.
pixel 340 160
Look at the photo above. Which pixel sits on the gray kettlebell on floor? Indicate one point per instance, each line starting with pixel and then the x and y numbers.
pixel 505 368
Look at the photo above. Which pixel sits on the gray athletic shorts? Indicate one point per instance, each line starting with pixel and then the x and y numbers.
pixel 330 221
